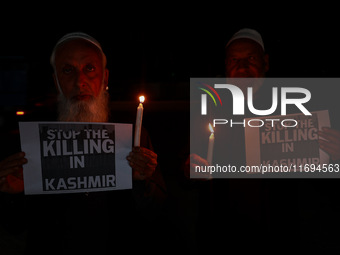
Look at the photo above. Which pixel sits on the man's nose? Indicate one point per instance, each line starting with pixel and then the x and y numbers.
pixel 80 81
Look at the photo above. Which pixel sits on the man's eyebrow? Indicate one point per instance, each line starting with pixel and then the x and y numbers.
pixel 231 55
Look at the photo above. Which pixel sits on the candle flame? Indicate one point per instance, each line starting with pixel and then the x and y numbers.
pixel 211 128
pixel 141 99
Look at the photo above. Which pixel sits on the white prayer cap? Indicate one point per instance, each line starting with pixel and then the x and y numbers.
pixel 249 34
pixel 73 36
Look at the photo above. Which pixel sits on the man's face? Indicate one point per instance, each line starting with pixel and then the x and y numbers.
pixel 82 79
pixel 80 70
pixel 245 59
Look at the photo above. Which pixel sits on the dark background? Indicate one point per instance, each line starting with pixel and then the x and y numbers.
pixel 157 51
pixel 154 49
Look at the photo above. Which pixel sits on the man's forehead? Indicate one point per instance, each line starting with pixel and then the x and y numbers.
pixel 244 45
pixel 78 48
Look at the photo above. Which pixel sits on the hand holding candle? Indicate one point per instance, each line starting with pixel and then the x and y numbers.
pixel 210 145
pixel 142 160
pixel 139 118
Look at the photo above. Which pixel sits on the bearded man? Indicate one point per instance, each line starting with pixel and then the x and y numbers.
pixel 96 222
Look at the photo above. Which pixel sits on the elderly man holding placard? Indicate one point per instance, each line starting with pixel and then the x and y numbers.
pixel 95 222
pixel 250 209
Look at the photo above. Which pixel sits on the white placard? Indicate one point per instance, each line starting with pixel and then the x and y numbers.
pixel 72 157
pixel 274 144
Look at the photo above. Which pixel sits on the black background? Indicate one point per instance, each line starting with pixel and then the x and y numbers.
pixel 157 50
pixel 154 49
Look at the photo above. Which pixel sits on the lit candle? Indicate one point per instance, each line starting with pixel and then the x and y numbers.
pixel 210 145
pixel 139 118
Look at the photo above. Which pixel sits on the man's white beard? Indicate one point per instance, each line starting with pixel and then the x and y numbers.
pixel 93 110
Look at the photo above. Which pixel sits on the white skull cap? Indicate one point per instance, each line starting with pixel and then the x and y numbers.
pixel 72 36
pixel 247 33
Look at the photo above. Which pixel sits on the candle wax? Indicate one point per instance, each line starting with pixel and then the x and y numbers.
pixel 138 126
pixel 210 148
